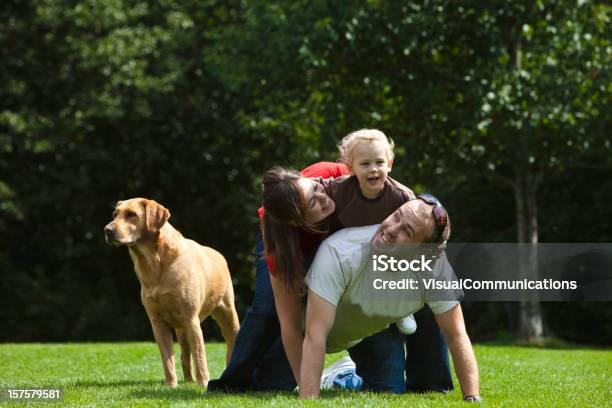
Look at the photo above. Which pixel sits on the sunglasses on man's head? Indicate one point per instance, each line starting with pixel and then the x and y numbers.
pixel 439 213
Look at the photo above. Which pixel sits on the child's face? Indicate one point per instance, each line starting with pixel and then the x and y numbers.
pixel 370 163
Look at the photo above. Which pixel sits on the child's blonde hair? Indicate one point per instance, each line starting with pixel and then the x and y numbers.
pixel 351 140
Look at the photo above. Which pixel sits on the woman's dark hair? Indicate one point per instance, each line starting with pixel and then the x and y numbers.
pixel 284 213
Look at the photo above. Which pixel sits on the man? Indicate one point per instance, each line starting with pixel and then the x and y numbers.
pixel 338 314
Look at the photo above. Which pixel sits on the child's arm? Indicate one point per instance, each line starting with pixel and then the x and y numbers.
pixel 407 193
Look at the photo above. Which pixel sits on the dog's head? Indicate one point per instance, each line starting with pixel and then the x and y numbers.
pixel 134 220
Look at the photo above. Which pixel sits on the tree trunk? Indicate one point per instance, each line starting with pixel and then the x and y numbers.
pixel 525 190
pixel 530 314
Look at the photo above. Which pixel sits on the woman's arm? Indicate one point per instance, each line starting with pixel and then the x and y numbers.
pixel 289 310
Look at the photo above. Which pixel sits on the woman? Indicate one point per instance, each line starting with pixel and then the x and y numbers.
pixel 258 360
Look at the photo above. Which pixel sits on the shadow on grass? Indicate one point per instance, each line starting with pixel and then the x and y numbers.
pixel 267 395
pixel 169 393
pixel 194 393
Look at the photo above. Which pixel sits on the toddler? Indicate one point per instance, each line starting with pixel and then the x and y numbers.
pixel 368 154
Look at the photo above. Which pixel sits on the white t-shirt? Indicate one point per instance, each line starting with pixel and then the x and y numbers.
pixel 342 274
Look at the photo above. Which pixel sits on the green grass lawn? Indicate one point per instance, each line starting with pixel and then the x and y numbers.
pixel 130 374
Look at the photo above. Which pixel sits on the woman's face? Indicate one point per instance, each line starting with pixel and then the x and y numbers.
pixel 318 205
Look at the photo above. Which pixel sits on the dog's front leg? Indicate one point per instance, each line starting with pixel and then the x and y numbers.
pixel 163 335
pixel 196 344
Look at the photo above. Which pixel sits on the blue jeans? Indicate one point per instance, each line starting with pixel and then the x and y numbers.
pixel 258 346
pixel 379 361
pixel 427 365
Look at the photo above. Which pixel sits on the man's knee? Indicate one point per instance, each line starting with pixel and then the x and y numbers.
pixel 380 361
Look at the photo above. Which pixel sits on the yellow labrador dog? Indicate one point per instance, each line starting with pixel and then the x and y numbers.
pixel 181 282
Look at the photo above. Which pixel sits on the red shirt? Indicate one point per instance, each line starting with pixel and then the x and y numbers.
pixel 310 241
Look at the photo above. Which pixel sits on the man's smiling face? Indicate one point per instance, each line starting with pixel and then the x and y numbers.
pixel 412 223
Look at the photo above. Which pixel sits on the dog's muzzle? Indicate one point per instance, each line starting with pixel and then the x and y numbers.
pixel 109 234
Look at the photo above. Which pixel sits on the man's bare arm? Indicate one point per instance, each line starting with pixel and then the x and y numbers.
pixel 453 327
pixel 320 317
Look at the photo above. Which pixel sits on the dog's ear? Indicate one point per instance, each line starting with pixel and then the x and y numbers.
pixel 156 216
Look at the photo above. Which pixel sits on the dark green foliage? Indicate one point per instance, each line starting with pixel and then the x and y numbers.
pixel 189 102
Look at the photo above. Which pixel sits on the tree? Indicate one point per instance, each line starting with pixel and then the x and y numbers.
pixel 512 91
pixel 103 101
pixel 543 108
pixel 189 102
